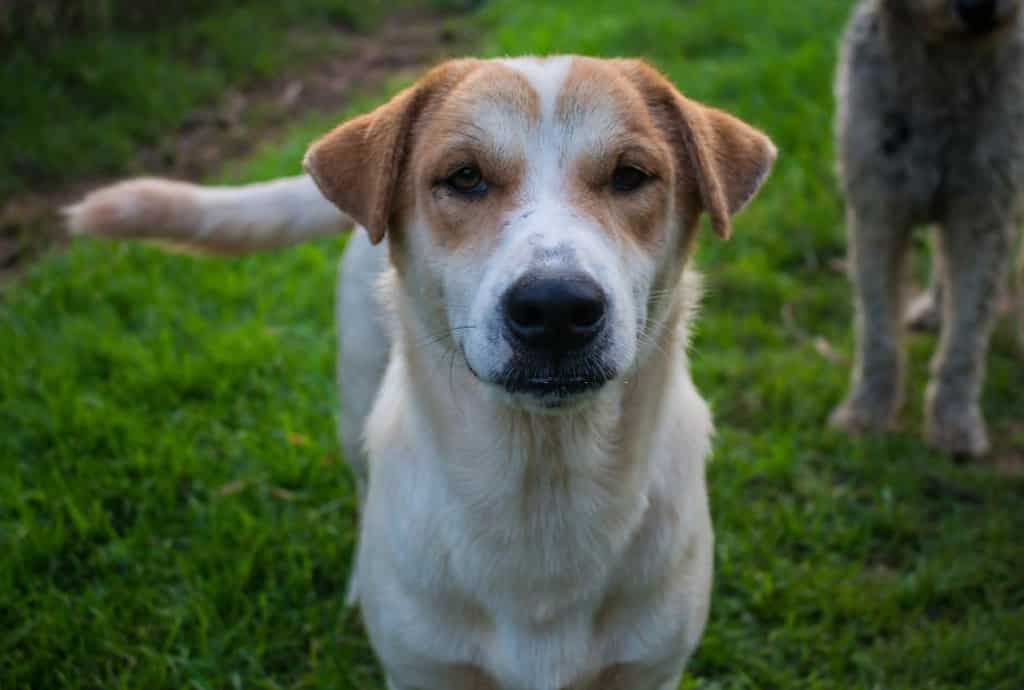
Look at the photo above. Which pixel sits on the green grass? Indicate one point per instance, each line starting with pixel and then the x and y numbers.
pixel 78 104
pixel 174 514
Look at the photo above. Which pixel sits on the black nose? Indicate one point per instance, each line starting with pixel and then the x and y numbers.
pixel 979 15
pixel 555 313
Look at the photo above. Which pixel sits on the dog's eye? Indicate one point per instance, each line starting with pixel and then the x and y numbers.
pixel 467 180
pixel 627 178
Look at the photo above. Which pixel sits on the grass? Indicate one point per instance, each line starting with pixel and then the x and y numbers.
pixel 84 103
pixel 174 512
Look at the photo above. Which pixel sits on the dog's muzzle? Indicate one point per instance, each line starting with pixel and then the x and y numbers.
pixel 557 326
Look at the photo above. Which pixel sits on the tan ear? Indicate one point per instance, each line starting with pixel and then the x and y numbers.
pixel 359 164
pixel 729 159
pixel 732 159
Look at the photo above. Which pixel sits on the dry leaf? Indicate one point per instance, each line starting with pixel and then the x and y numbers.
pixel 233 487
pixel 297 439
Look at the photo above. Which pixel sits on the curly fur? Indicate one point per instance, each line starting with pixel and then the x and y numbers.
pixel 927 134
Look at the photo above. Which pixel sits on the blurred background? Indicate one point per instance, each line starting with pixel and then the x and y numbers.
pixel 174 508
pixel 93 88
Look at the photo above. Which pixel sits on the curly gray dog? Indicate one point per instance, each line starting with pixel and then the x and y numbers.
pixel 930 109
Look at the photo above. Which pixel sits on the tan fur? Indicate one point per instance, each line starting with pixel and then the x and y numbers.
pixel 359 164
pixel 702 159
pixel 451 139
pixel 632 216
pixel 729 158
pixel 514 536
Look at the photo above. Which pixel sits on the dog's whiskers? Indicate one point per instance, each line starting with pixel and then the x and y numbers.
pixel 443 335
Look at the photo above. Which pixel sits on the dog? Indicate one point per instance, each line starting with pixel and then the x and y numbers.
pixel 930 98
pixel 528 443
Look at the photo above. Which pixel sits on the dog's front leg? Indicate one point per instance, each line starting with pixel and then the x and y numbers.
pixel 924 313
pixel 976 253
pixel 878 252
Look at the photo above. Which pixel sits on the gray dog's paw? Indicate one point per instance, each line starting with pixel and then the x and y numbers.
pixel 924 313
pixel 856 416
pixel 954 426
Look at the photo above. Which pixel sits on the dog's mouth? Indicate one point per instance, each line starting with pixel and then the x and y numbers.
pixel 554 384
pixel 549 385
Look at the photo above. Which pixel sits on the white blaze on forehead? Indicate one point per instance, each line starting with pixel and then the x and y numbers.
pixel 565 131
pixel 547 76
pixel 587 122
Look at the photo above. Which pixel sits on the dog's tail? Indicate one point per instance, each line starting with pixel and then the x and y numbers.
pixel 220 220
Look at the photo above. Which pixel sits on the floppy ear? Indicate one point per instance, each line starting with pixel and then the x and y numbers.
pixel 732 159
pixel 728 158
pixel 359 164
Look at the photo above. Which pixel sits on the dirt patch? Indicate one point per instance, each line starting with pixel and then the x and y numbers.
pixel 241 120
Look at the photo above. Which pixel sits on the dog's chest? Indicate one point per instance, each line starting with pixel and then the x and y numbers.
pixel 922 131
pixel 551 634
pixel 617 677
pixel 545 561
pixel 528 597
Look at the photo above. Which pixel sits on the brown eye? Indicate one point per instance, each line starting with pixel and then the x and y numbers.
pixel 467 180
pixel 626 178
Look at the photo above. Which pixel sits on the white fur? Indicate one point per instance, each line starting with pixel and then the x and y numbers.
pixel 502 547
pixel 543 223
pixel 541 549
pixel 227 220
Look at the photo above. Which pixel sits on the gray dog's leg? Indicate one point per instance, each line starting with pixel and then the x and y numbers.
pixel 878 253
pixel 976 253
pixel 924 312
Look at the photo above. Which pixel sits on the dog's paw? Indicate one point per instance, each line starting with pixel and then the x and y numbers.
pixel 924 313
pixel 139 208
pixel 857 417
pixel 955 426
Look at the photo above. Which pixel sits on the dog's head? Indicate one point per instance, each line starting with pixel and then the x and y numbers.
pixel 540 211
pixel 959 18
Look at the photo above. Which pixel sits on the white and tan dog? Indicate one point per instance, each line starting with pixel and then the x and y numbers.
pixel 535 514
